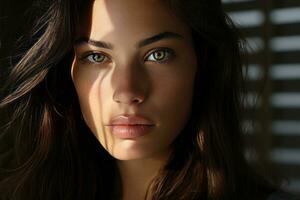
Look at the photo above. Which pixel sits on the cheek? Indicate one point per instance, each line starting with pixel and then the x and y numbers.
pixel 178 84
pixel 86 85
pixel 175 97
pixel 172 97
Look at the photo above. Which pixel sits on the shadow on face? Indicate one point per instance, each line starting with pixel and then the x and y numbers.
pixel 134 58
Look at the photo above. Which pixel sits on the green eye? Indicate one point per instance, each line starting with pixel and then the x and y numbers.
pixel 161 55
pixel 96 57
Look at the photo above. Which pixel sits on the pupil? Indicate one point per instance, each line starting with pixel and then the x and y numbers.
pixel 159 55
pixel 97 57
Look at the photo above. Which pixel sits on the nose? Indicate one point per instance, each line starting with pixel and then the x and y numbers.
pixel 130 85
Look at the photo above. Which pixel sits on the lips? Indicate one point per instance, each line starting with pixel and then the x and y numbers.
pixel 130 126
pixel 130 120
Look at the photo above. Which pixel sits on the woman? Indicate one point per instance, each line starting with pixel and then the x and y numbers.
pixel 128 100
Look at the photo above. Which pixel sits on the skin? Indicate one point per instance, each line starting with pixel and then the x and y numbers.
pixel 129 79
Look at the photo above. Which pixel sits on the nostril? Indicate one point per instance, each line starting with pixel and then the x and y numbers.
pixel 128 98
pixel 136 100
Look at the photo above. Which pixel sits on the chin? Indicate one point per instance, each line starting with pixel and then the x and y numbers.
pixel 127 156
pixel 130 151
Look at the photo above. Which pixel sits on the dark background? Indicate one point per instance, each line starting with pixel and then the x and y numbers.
pixel 272 28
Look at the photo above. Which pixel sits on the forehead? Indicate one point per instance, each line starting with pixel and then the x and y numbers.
pixel 141 18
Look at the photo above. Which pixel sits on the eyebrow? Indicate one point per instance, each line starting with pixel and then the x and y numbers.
pixel 101 44
pixel 144 42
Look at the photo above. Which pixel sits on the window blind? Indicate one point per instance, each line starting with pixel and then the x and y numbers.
pixel 272 29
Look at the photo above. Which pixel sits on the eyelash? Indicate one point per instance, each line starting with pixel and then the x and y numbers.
pixel 91 54
pixel 168 54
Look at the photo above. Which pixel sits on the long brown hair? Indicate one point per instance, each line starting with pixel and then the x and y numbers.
pixel 53 155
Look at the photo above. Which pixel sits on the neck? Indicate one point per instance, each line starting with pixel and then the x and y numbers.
pixel 136 175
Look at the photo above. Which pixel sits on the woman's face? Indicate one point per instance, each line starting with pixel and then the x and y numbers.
pixel 134 71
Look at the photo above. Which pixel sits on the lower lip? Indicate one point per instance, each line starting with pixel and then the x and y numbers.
pixel 130 131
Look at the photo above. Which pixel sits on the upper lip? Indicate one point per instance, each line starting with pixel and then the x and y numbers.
pixel 130 120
